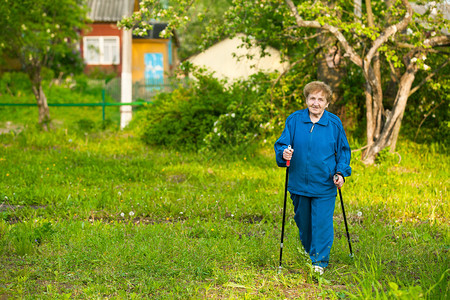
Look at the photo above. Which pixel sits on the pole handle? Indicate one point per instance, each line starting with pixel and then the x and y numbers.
pixel 336 178
pixel 288 162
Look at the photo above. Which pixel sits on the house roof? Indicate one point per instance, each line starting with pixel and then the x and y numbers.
pixel 109 10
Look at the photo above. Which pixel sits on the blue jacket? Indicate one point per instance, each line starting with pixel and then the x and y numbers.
pixel 320 151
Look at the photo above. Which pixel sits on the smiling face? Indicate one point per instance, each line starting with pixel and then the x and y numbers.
pixel 316 102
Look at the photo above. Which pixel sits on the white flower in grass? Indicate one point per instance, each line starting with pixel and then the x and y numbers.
pixel 426 67
pixel 122 215
pixel 233 115
pixel 215 129
pixel 131 213
pixel 119 193
pixel 359 214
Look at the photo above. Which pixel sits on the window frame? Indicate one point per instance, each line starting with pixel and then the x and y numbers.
pixel 101 50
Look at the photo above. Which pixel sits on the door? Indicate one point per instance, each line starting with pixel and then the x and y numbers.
pixel 154 71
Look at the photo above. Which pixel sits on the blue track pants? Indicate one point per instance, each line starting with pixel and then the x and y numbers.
pixel 314 218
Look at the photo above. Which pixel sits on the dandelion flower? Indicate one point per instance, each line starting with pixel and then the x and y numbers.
pixel 122 215
pixel 131 213
pixel 359 214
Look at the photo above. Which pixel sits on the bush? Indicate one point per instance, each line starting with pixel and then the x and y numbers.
pixel 249 118
pixel 15 84
pixel 182 118
pixel 212 117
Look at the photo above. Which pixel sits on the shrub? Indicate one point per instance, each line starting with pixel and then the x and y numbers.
pixel 210 116
pixel 248 120
pixel 15 84
pixel 182 118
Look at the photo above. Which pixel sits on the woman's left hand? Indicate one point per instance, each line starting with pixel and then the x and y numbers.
pixel 339 182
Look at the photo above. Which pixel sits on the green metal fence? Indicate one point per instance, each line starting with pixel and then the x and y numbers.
pixel 103 104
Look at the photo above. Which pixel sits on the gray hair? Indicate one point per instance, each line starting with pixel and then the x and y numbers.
pixel 316 86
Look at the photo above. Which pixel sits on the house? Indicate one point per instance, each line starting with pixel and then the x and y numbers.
pixel 143 62
pixel 228 59
pixel 152 58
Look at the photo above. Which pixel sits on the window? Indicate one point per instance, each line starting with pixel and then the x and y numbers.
pixel 102 50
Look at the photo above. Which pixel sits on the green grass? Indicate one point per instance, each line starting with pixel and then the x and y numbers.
pixel 97 214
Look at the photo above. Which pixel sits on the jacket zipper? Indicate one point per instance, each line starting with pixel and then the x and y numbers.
pixel 309 152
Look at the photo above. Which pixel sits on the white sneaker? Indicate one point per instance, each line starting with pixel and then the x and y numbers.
pixel 318 269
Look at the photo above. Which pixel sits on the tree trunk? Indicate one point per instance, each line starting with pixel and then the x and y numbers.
pixel 374 101
pixel 391 129
pixel 370 123
pixel 329 70
pixel 41 99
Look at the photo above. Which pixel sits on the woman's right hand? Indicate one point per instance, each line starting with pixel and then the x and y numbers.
pixel 287 154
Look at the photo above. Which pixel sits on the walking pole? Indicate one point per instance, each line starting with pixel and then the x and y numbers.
pixel 336 178
pixel 288 163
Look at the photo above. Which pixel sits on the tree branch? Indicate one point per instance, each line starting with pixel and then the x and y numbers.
pixel 428 77
pixel 425 117
pixel 388 32
pixel 354 57
pixel 393 72
pixel 316 50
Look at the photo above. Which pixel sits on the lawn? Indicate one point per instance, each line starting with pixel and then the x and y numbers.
pixel 91 213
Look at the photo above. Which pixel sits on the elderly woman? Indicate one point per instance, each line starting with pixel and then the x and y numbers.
pixel 320 150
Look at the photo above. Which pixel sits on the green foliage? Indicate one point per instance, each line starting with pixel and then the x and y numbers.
pixel 250 117
pixel 192 32
pixel 426 117
pixel 14 84
pixel 182 118
pixel 42 33
pixel 210 116
pixel 274 23
pixel 67 61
